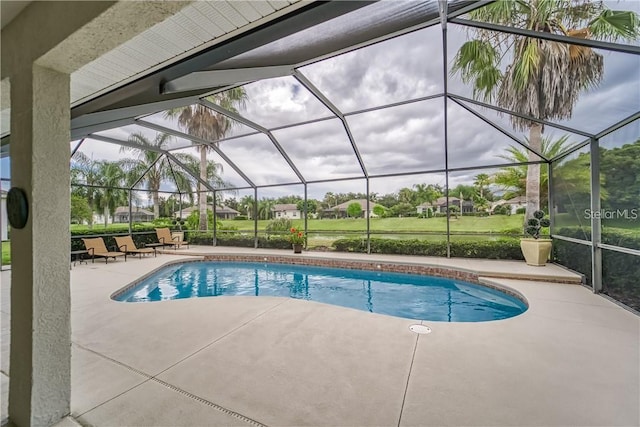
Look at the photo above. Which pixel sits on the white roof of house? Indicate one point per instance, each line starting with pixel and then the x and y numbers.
pixel 361 202
pixel 284 207
pixel 219 209
pixel 443 200
pixel 125 210
pixel 226 209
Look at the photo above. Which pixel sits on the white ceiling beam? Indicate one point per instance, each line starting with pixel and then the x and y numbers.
pixel 208 79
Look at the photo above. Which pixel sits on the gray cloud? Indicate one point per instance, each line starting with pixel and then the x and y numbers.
pixel 406 138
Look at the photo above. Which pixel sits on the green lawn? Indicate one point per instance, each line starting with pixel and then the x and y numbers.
pixel 331 229
pixel 76 227
pixel 474 224
pixel 6 253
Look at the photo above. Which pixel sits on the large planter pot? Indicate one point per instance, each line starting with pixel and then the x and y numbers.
pixel 536 251
pixel 297 249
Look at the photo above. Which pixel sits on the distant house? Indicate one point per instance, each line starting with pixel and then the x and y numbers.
pixel 440 205
pixel 423 208
pixel 184 213
pixel 225 212
pixel 288 210
pixel 514 203
pixel 341 210
pixel 222 212
pixel 137 215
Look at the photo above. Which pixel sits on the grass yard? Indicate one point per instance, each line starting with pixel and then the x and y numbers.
pixel 6 253
pixel 100 226
pixel 473 224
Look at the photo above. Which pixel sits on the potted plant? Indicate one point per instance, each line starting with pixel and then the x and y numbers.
pixel 536 250
pixel 297 239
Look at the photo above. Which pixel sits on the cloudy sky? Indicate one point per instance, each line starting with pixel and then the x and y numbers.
pixel 406 138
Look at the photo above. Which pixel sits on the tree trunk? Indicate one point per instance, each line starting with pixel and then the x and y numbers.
pixel 105 211
pixel 533 171
pixel 156 204
pixel 91 206
pixel 202 196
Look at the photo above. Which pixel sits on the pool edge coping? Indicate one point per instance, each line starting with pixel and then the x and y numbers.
pixel 423 269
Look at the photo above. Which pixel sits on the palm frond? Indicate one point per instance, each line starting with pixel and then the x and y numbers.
pixel 527 64
pixel 500 11
pixel 614 25
pixel 477 61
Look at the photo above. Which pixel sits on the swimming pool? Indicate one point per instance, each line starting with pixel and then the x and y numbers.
pixel 403 295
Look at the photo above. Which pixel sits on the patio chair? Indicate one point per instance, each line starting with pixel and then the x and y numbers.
pixel 126 245
pixel 96 247
pixel 165 237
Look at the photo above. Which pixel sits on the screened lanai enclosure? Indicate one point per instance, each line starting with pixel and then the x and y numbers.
pixel 422 113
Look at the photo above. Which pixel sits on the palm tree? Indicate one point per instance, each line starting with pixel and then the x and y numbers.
pixel 514 178
pixel 481 181
pixel 247 203
pixel 264 208
pixel 85 171
pixel 159 172
pixel 111 195
pixel 213 173
pixel 330 200
pixel 426 193
pixel 204 123
pixel 406 195
pixel 544 78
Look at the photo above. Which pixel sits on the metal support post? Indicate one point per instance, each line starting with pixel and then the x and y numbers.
pixel 255 217
pixel 215 219
pixel 596 224
pixel 304 212
pixel 368 219
pixel 130 213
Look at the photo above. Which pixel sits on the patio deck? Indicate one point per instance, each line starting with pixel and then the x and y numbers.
pixel 571 359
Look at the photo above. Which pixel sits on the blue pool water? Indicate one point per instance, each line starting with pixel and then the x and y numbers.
pixel 402 295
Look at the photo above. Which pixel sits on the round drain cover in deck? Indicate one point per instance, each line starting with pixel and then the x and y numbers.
pixel 420 329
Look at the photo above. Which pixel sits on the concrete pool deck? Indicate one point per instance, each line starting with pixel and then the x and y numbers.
pixel 571 359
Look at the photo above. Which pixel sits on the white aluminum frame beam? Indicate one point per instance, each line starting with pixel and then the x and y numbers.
pixel 202 80
pixel 251 124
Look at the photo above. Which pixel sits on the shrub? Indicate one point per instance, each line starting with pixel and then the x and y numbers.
pixel 142 234
pixel 278 226
pixel 536 224
pixel 274 242
pixel 380 211
pixel 162 222
pixel 515 231
pixel 521 211
pixel 237 240
pixel 240 217
pixel 354 210
pixel 204 238
pixel 501 249
pixel 502 209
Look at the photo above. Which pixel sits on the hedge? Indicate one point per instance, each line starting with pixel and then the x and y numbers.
pixel 140 240
pixel 497 249
pixel 239 240
pixel 620 271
